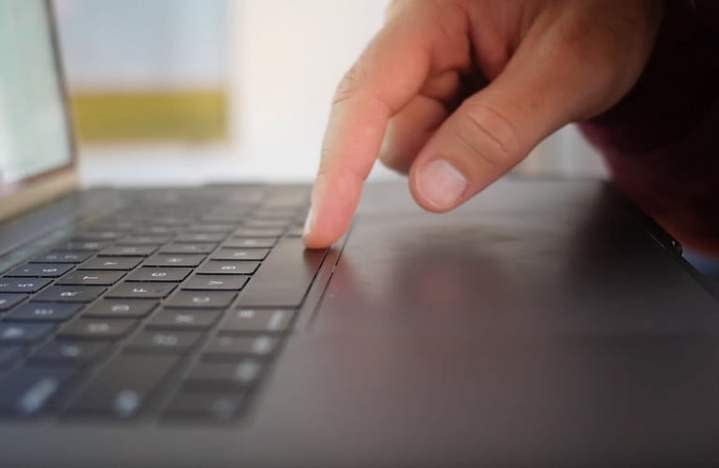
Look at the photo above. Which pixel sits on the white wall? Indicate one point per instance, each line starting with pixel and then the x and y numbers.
pixel 290 57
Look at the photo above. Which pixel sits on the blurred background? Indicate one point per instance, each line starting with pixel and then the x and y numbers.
pixel 168 91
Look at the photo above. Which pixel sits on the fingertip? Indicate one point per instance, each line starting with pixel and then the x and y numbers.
pixel 334 200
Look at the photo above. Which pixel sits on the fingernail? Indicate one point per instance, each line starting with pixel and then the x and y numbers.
pixel 309 221
pixel 441 184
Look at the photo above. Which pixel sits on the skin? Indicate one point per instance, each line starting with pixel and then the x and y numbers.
pixel 457 92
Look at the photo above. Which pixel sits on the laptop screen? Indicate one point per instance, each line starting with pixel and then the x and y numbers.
pixel 34 138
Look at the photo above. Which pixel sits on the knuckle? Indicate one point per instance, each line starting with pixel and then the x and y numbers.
pixel 488 135
pixel 350 84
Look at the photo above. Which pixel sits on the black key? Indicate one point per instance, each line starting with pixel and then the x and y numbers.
pixel 172 275
pixel 9 355
pixel 22 285
pixel 111 263
pixel 296 231
pixel 168 319
pixel 26 391
pixel 141 290
pixel 8 301
pixel 128 251
pixel 201 237
pixel 223 347
pixel 210 228
pixel 178 342
pixel 23 333
pixel 144 240
pixel 69 353
pixel 90 246
pixel 201 299
pixel 91 278
pixel 239 375
pixel 46 270
pixel 119 308
pixel 155 231
pixel 196 248
pixel 96 236
pixel 240 254
pixel 123 386
pixel 97 329
pixel 68 294
pixel 267 223
pixel 259 232
pixel 250 243
pixel 227 267
pixel 257 321
pixel 284 278
pixel 44 312
pixel 62 257
pixel 164 260
pixel 213 406
pixel 215 283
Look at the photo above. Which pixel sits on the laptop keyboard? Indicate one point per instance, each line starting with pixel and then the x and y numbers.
pixel 173 307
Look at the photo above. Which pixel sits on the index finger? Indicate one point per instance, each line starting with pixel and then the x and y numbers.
pixel 388 74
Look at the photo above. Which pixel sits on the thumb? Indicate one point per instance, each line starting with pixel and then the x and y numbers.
pixel 538 92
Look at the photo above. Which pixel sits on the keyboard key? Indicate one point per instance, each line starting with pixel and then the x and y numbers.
pixel 227 267
pixel 119 308
pixel 162 260
pixel 240 254
pixel 111 263
pixel 89 246
pixel 9 355
pixel 128 251
pixel 201 237
pixel 173 275
pixel 257 321
pixel 201 299
pixel 91 278
pixel 239 375
pixel 224 347
pixel 69 353
pixel 178 342
pixel 196 248
pixel 69 294
pixel 259 232
pixel 46 270
pixel 168 319
pixel 215 283
pixel 22 285
pixel 44 312
pixel 129 290
pixel 97 329
pixel 284 277
pixel 62 257
pixel 267 223
pixel 250 243
pixel 212 406
pixel 8 301
pixel 144 240
pixel 26 391
pixel 123 386
pixel 96 236
pixel 210 228
pixel 295 231
pixel 23 333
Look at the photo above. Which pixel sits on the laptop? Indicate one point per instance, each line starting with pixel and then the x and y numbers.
pixel 545 323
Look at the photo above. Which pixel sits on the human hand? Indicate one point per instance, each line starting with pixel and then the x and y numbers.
pixel 457 92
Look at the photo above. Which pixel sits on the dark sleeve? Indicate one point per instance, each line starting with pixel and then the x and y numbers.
pixel 661 142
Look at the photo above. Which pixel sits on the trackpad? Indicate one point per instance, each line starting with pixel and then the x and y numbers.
pixel 489 272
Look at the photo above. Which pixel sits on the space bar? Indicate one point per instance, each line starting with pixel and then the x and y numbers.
pixel 284 277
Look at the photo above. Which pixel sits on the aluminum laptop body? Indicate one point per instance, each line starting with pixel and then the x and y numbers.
pixel 544 323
